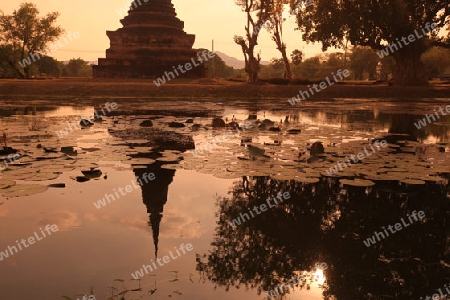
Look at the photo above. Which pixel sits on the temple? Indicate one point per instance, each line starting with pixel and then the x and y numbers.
pixel 151 42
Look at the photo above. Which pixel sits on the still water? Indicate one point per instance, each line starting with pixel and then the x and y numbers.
pixel 314 236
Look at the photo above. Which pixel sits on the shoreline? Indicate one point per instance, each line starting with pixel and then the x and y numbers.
pixel 91 90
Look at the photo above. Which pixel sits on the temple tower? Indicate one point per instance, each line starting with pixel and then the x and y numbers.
pixel 151 42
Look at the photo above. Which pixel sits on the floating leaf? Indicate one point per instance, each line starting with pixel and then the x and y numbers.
pixel 43 176
pixel 170 166
pixel 357 182
pixel 307 179
pixel 6 183
pixel 170 158
pixel 57 185
pixel 412 181
pixel 22 190
pixel 141 161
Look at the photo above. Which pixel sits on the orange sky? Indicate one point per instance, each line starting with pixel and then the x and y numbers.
pixel 215 19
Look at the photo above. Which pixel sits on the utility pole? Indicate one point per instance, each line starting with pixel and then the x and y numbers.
pixel 212 65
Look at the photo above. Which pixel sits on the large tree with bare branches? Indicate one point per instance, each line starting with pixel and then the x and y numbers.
pixel 257 12
pixel 275 27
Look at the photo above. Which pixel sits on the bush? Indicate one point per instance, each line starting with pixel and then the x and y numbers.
pixel 276 81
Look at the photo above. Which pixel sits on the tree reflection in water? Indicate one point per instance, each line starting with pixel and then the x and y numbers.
pixel 325 222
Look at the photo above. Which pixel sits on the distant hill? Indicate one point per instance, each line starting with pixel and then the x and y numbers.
pixel 234 62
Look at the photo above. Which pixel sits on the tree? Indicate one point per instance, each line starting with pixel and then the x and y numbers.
pixel 297 57
pixel 310 68
pixel 277 63
pixel 50 66
pixel 27 34
pixel 275 27
pixel 8 59
pixel 364 60
pixel 330 62
pixel 257 15
pixel 78 68
pixel 272 71
pixel 378 24
pixel 436 61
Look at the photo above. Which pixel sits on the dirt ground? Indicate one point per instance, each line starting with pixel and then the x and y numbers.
pixel 91 91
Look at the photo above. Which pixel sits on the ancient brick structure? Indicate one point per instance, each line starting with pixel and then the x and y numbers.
pixel 151 42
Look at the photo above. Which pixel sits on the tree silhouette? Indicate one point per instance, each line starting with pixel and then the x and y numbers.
pixel 257 12
pixel 325 222
pixel 297 57
pixel 275 27
pixel 27 34
pixel 378 24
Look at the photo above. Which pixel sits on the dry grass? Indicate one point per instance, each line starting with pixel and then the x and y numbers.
pixel 208 89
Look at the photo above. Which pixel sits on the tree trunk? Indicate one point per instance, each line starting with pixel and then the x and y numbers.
pixel 14 67
pixel 27 71
pixel 286 63
pixel 22 57
pixel 252 67
pixel 410 70
pixel 281 46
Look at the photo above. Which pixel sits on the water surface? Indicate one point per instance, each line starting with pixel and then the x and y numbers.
pixel 194 200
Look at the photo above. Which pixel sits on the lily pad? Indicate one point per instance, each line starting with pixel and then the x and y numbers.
pixel 6 183
pixel 307 179
pixel 141 161
pixel 357 182
pixel 43 176
pixel 412 181
pixel 282 177
pixel 170 166
pixel 22 190
pixel 171 158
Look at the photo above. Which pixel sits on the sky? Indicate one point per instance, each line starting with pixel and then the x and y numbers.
pixel 217 20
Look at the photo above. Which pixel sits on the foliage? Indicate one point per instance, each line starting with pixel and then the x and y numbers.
pixel 330 62
pixel 270 71
pixel 326 222
pixel 310 68
pixel 49 66
pixel 277 63
pixel 77 68
pixel 25 33
pixel 363 63
pixel 375 24
pixel 8 60
pixel 296 57
pixel 436 61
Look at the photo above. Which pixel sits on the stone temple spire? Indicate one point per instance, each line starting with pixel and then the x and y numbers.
pixel 151 42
